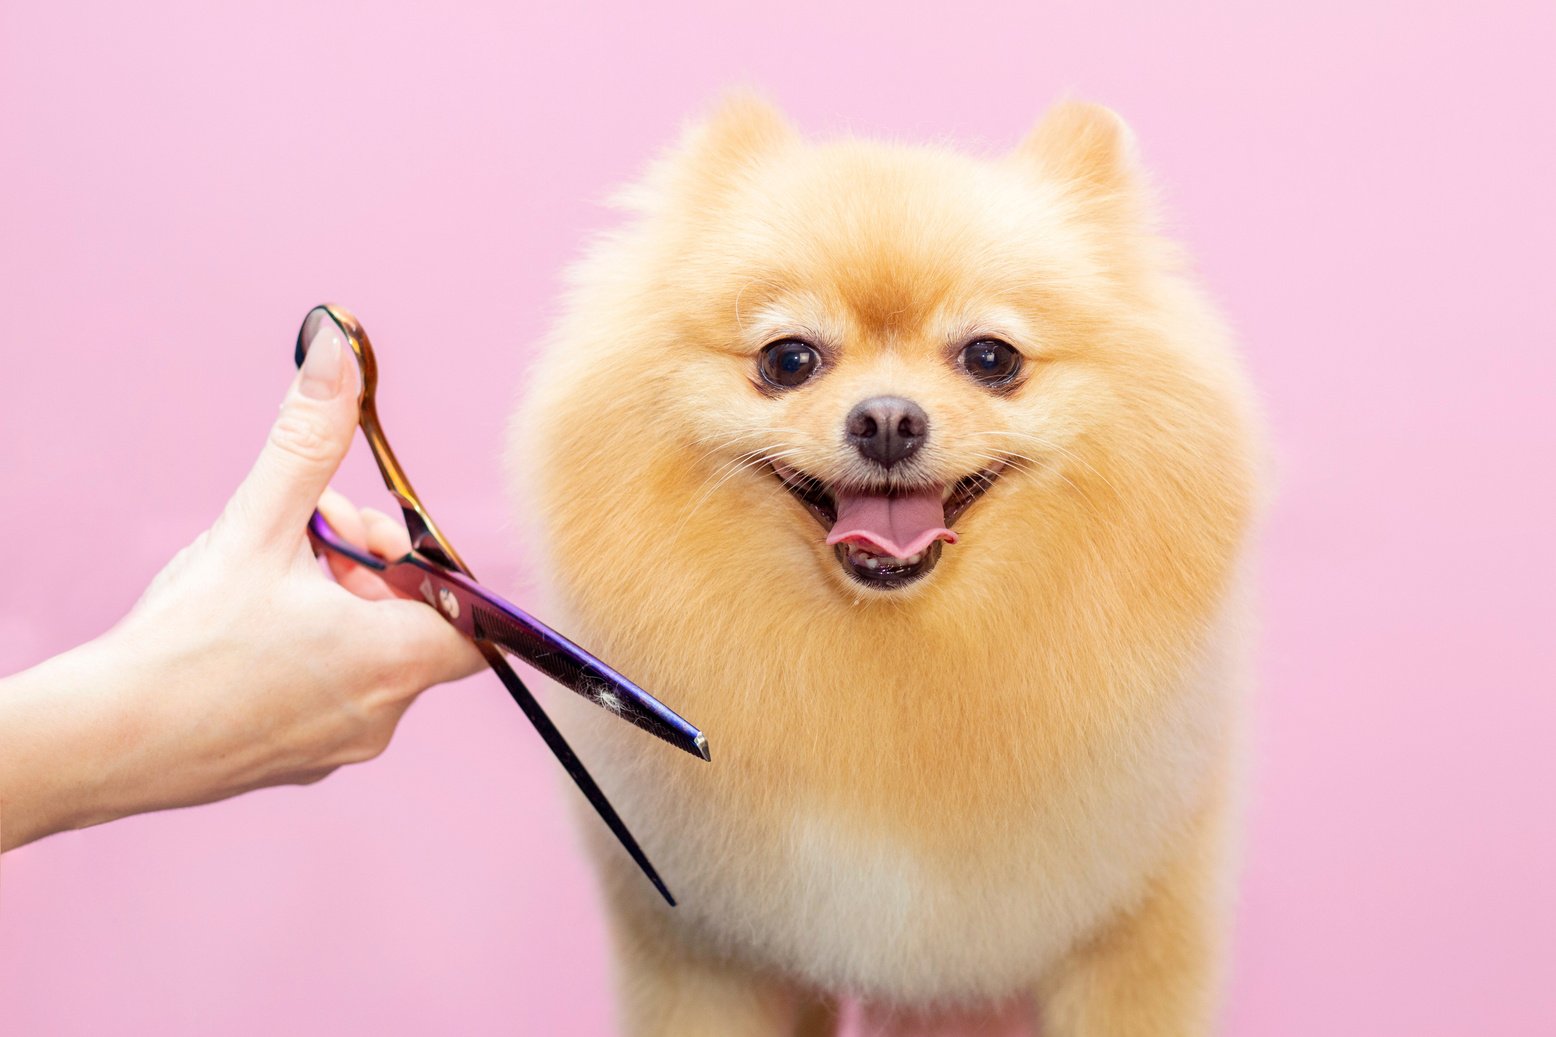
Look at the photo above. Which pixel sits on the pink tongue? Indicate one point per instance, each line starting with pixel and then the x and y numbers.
pixel 896 526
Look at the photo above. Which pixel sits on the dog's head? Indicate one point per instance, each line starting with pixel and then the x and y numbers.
pixel 884 358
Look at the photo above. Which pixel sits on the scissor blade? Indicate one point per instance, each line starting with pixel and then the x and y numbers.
pixel 570 762
pixel 483 616
pixel 566 663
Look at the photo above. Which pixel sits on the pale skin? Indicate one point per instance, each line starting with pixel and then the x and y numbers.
pixel 242 666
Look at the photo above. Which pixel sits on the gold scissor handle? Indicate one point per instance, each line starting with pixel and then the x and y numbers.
pixel 425 535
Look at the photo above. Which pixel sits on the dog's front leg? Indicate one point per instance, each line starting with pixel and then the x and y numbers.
pixel 1156 970
pixel 666 989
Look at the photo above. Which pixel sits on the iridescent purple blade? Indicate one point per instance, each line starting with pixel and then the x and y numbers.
pixel 483 616
pixel 503 624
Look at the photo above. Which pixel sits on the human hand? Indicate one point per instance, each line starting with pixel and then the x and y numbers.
pixel 241 666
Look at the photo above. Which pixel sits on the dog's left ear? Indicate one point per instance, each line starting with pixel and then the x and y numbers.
pixel 1090 152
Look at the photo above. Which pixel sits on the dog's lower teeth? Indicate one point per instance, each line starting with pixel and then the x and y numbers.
pixel 882 570
pixel 874 561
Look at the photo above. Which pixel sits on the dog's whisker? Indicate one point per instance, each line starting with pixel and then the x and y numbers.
pixel 1056 448
pixel 748 460
pixel 1027 465
pixel 717 473
pixel 768 435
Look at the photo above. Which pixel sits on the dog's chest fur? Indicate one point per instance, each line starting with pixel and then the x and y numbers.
pixel 959 873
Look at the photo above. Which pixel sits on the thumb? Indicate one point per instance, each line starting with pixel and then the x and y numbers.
pixel 306 445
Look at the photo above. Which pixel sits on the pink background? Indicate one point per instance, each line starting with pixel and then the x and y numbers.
pixel 1369 193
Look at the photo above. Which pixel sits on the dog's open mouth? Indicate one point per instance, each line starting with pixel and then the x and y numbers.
pixel 886 538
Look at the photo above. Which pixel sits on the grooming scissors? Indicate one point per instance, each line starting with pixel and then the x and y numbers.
pixel 434 572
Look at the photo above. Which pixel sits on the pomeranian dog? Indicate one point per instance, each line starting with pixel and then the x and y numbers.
pixel 921 482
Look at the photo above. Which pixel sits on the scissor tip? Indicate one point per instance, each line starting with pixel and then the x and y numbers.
pixel 659 883
pixel 702 746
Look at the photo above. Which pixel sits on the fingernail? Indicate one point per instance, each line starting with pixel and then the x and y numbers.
pixel 321 366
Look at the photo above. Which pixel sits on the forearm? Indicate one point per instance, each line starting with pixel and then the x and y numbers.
pixel 63 744
pixel 134 722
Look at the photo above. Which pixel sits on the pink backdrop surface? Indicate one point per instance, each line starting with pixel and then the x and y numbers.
pixel 1367 190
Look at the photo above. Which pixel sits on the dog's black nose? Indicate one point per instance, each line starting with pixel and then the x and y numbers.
pixel 887 429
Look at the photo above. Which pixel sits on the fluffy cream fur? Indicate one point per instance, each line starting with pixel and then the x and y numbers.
pixel 1016 776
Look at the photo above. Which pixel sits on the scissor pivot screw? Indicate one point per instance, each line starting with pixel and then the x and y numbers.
pixel 448 603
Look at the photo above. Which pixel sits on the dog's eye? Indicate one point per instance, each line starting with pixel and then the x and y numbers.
pixel 991 361
pixel 789 362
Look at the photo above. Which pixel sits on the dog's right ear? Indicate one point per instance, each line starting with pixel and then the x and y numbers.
pixel 714 152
